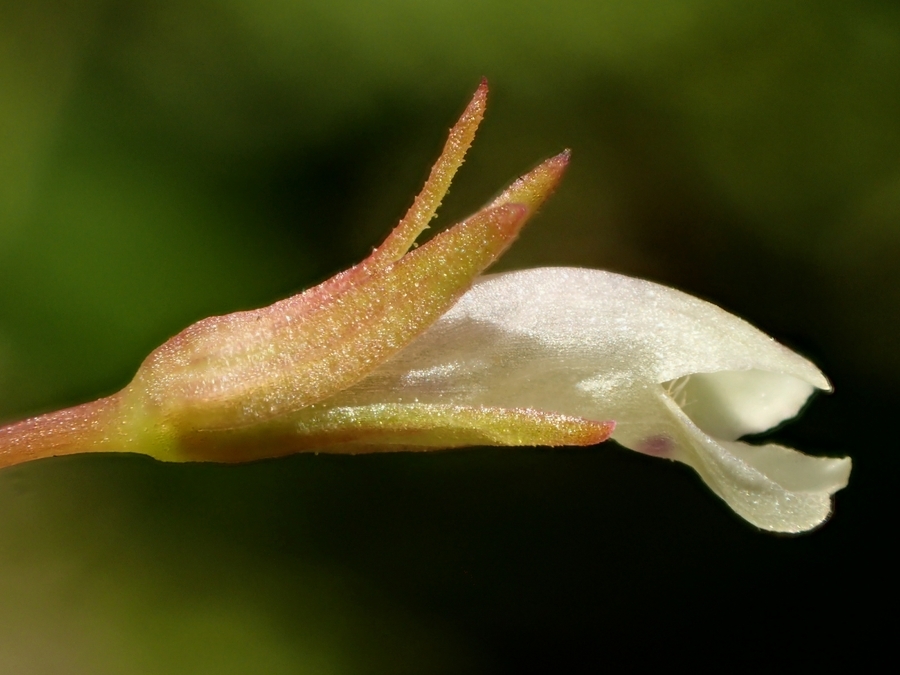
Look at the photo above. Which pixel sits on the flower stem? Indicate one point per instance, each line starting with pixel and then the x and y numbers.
pixel 90 427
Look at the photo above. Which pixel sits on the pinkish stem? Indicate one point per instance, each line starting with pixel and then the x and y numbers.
pixel 89 427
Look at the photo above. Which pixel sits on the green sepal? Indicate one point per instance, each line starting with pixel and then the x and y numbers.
pixel 392 427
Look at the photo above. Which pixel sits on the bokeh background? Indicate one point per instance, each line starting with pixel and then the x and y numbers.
pixel 164 161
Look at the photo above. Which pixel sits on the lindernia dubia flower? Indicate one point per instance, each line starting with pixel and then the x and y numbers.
pixel 411 350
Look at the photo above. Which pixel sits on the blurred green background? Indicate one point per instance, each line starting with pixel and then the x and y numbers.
pixel 164 161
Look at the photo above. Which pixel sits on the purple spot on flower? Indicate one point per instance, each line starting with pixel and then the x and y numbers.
pixel 657 446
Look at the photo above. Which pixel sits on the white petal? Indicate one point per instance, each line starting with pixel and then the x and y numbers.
pixel 603 346
pixel 674 333
pixel 773 487
pixel 730 404
pixel 559 338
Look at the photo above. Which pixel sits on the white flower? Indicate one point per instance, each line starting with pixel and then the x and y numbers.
pixel 396 354
pixel 681 378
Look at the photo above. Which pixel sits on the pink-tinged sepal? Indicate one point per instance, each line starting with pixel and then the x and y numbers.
pixel 255 374
pixel 252 367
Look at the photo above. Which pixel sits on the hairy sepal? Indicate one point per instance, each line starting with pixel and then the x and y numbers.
pixel 390 427
pixel 251 367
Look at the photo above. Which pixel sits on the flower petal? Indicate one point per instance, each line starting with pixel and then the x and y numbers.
pixel 568 340
pixel 732 404
pixel 773 487
pixel 597 345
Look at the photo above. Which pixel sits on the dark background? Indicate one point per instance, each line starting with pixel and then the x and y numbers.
pixel 164 161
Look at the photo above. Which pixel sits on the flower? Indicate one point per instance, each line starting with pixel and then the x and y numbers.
pixel 402 352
